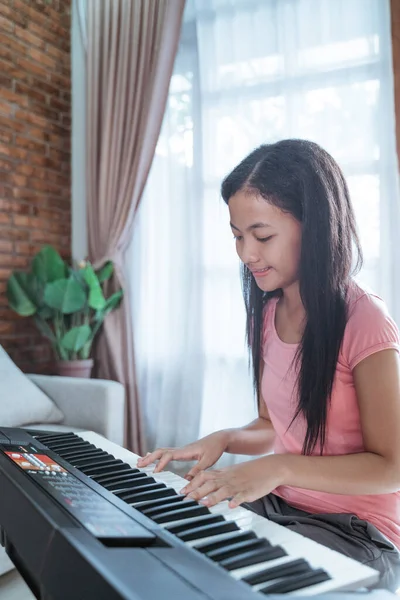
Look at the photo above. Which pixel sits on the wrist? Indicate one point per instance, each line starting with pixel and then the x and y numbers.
pixel 281 468
pixel 227 436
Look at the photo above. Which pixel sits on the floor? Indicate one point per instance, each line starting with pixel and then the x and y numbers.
pixel 13 587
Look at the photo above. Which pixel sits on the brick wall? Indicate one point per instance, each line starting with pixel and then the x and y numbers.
pixel 35 205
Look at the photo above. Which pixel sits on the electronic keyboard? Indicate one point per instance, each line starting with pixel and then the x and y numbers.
pixel 80 520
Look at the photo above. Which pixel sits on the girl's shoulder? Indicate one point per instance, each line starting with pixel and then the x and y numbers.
pixel 369 327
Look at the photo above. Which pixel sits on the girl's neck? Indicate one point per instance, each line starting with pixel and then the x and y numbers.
pixel 291 299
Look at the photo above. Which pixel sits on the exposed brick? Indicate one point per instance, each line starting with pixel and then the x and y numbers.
pixel 30 92
pixel 6 137
pixel 6 24
pixel 7 248
pixel 26 248
pixel 6 108
pixel 11 233
pixel 42 58
pixel 29 38
pixel 35 106
pixel 14 98
pixel 16 262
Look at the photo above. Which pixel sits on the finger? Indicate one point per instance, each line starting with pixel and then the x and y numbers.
pixel 150 457
pixel 195 470
pixel 173 454
pixel 164 460
pixel 238 499
pixel 203 490
pixel 218 496
pixel 196 482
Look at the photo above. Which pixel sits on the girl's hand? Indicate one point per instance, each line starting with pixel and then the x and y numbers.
pixel 245 482
pixel 206 451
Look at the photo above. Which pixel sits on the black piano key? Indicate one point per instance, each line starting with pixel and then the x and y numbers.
pixel 83 463
pixel 154 511
pixel 296 582
pixel 148 483
pixel 237 548
pixel 252 557
pixel 109 479
pixel 49 437
pixel 60 447
pixel 143 496
pixel 181 513
pixel 292 567
pixel 117 466
pixel 126 481
pixel 195 522
pixel 207 531
pixel 184 513
pixel 142 506
pixel 237 536
pixel 89 452
pixel 126 494
pixel 121 475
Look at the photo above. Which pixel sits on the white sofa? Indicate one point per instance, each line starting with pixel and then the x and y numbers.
pixel 57 404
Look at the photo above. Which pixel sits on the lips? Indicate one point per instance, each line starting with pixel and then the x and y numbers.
pixel 256 271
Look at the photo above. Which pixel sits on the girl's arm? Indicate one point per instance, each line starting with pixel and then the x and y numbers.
pixel 377 469
pixel 257 437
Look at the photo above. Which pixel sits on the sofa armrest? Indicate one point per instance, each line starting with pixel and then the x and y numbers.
pixel 93 404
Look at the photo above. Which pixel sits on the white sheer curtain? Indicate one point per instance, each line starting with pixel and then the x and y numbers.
pixel 249 72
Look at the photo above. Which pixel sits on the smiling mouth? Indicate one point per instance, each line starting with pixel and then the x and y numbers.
pixel 261 272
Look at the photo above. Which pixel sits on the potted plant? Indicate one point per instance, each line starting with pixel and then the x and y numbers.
pixel 67 304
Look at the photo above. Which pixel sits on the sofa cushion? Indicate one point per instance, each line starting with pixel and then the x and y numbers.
pixel 21 401
pixel 56 428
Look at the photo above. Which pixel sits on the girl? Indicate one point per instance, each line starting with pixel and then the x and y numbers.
pixel 325 366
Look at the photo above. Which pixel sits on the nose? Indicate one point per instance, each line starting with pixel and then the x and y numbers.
pixel 248 254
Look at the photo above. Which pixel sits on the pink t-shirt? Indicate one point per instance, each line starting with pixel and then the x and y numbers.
pixel 369 329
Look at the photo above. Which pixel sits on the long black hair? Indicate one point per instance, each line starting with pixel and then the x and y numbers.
pixel 301 178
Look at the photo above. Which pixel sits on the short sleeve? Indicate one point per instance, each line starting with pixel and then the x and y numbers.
pixel 369 329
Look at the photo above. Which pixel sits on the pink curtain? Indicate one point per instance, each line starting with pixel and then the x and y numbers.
pixel 131 47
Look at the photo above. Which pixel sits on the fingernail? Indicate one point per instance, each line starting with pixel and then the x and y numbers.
pixel 183 491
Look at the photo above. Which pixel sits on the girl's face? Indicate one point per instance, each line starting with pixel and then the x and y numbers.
pixel 268 241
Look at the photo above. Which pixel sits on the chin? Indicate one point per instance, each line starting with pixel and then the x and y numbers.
pixel 268 286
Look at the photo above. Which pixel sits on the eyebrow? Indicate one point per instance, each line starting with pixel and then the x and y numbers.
pixel 251 227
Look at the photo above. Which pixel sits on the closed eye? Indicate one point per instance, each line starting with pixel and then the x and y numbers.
pixel 265 239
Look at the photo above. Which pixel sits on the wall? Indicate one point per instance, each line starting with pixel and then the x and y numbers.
pixel 35 100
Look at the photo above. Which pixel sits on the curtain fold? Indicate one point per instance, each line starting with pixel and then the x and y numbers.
pixel 131 47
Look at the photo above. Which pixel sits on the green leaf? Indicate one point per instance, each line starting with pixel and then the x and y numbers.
pixel 76 338
pixel 84 353
pixel 65 295
pixel 46 330
pixel 48 265
pixel 105 272
pixel 111 303
pixel 18 295
pixel 96 298
pixel 45 312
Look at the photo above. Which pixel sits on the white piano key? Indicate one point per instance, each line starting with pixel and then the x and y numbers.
pixel 345 573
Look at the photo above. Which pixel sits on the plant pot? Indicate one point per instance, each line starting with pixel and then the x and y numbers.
pixel 75 368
